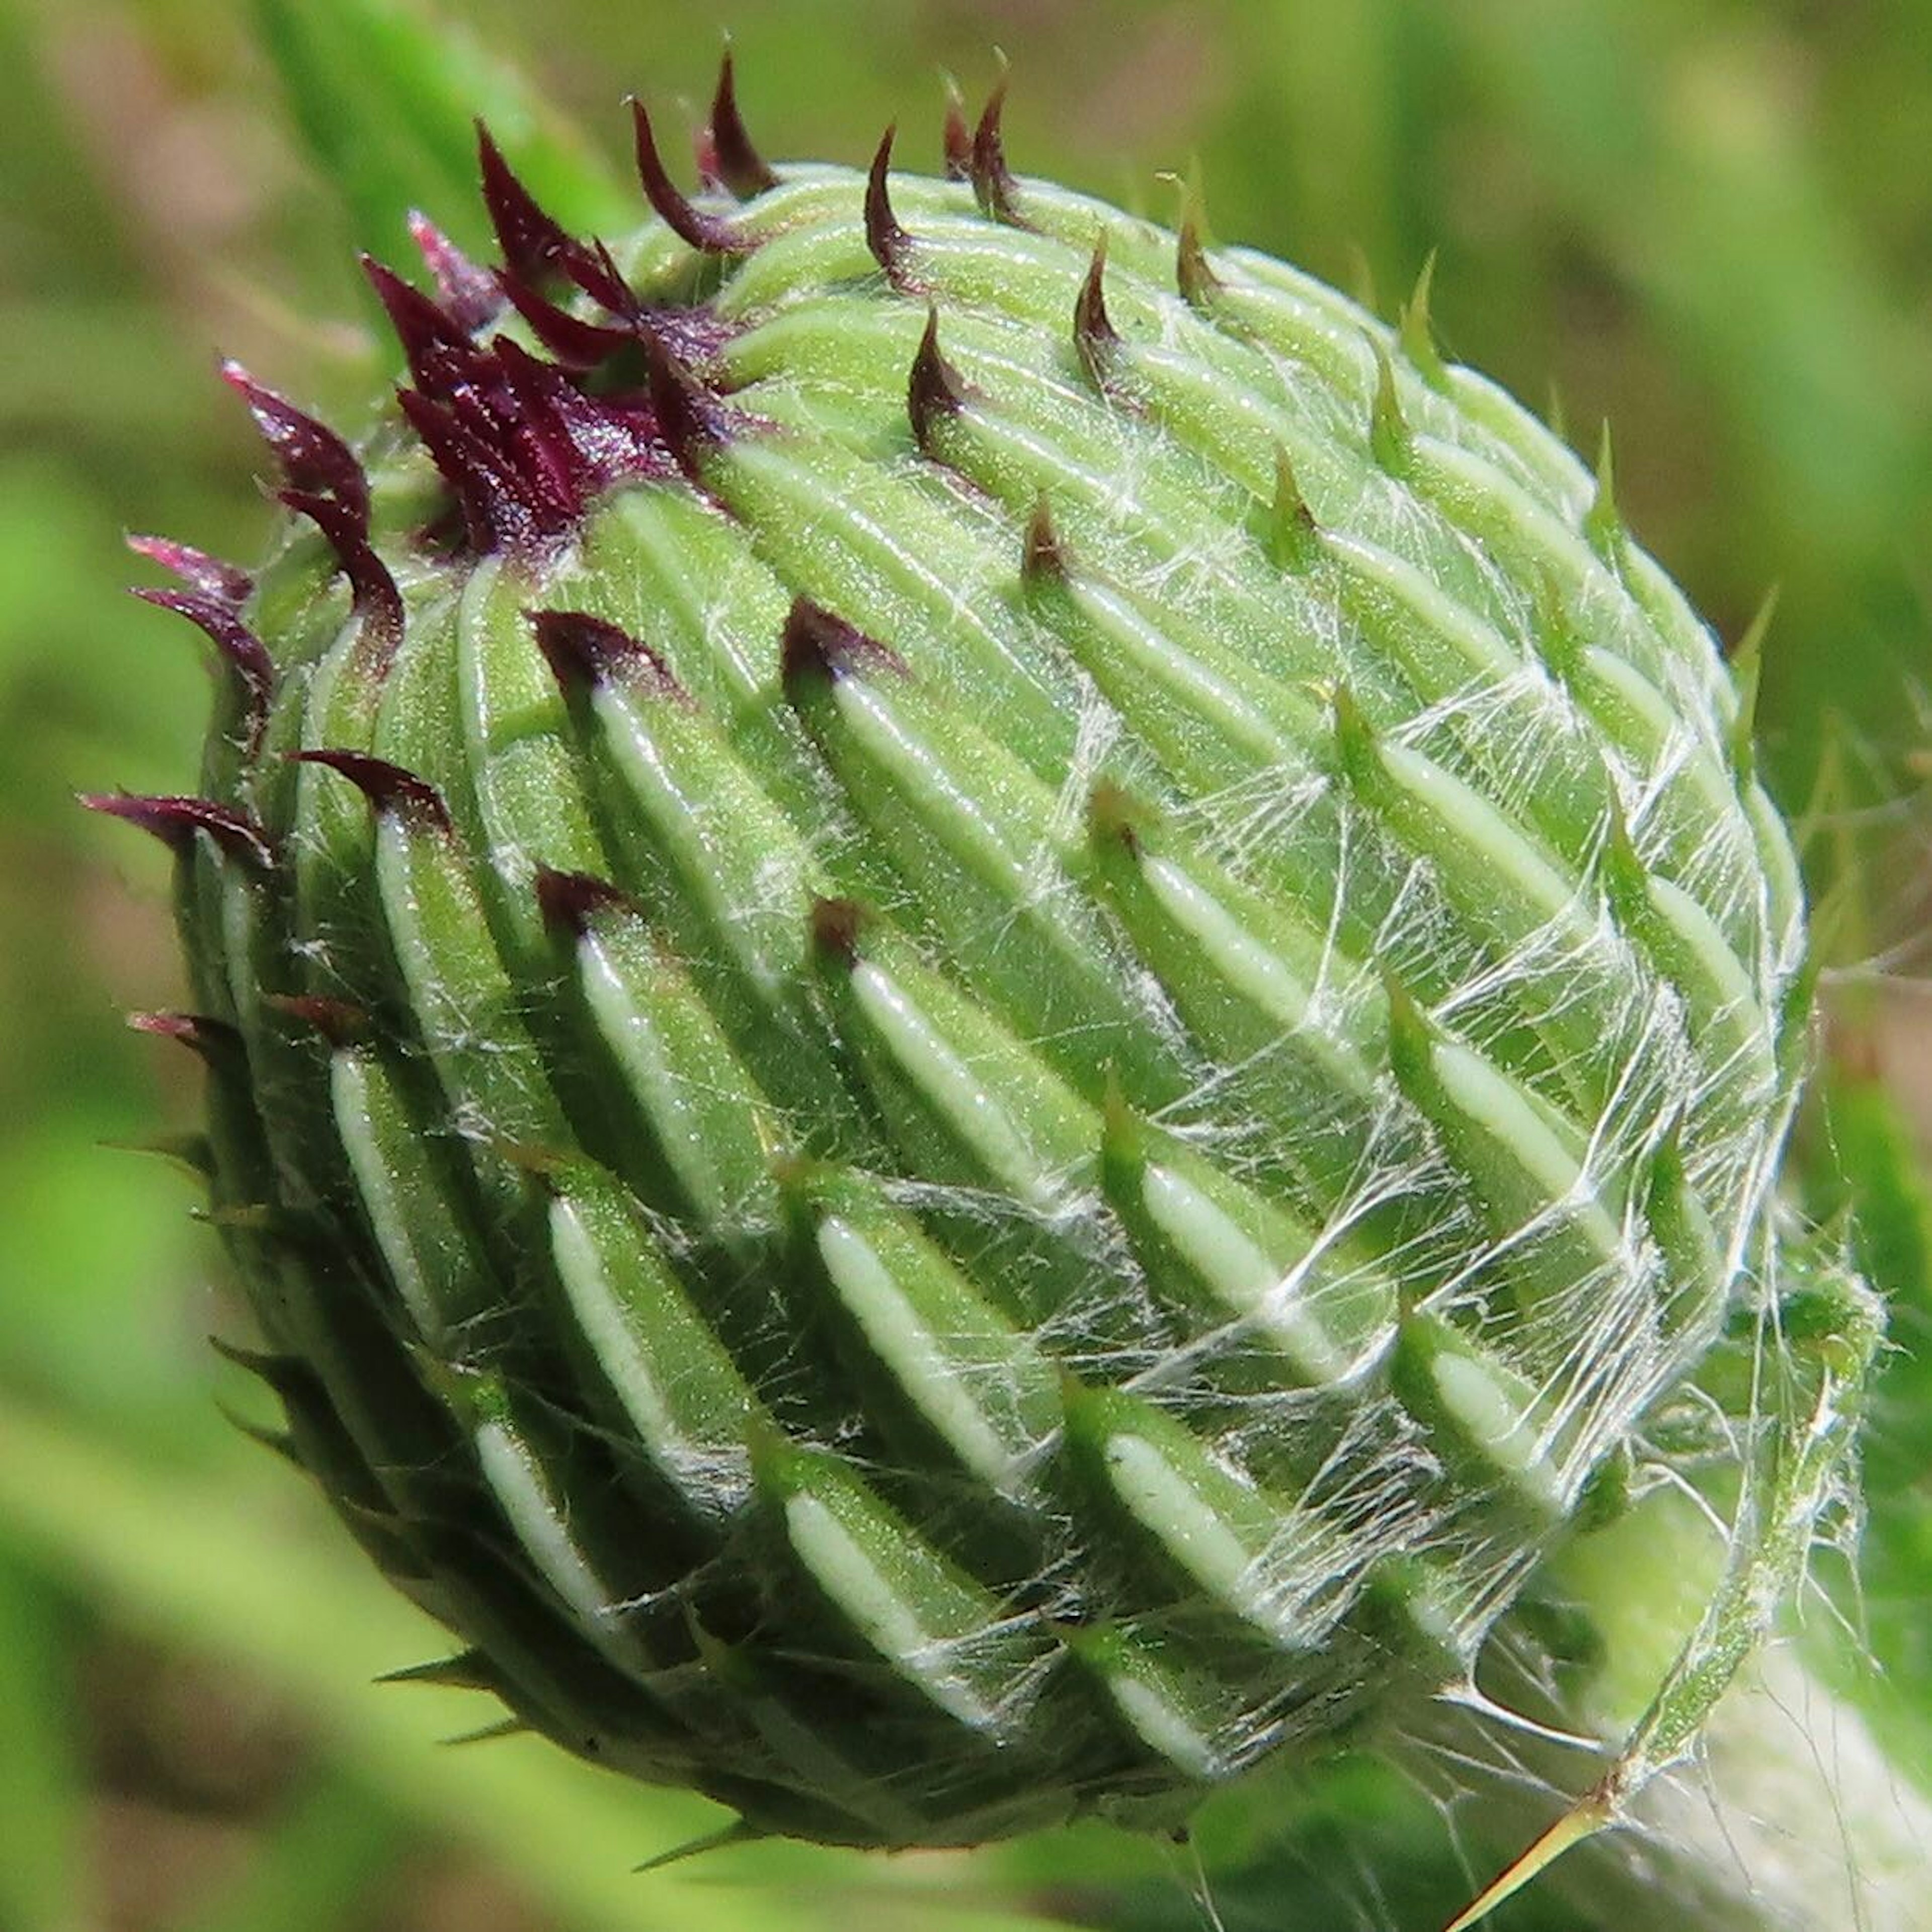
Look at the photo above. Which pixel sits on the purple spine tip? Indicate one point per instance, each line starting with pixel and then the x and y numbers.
pixel 373 592
pixel 576 343
pixel 570 901
pixel 689 418
pixel 934 388
pixel 312 456
pixel 467 291
pixel 206 576
pixel 387 787
pixel 421 326
pixel 835 927
pixel 1094 335
pixel 738 164
pixel 884 237
pixel 956 139
pixel 581 650
pixel 202 1032
pixel 712 234
pixel 175 821
pixel 1042 555
pixel 245 653
pixel 533 245
pixel 992 180
pixel 818 643
pixel 341 1022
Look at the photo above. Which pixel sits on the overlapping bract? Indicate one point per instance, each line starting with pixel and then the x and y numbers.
pixel 986 998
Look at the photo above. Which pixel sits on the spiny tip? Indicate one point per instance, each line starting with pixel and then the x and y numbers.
pixel 377 603
pixel 884 237
pixel 934 389
pixel 710 234
pixel 245 653
pixel 201 1032
pixel 387 787
pixel 1095 337
pixel 1388 427
pixel 690 419
pixel 1293 535
pixel 1603 524
pixel 175 821
pixel 570 901
pixel 1042 558
pixel 206 576
pixel 835 926
pixel 582 650
pixel 992 180
pixel 312 456
pixel 739 165
pixel 467 291
pixel 1417 331
pixel 1197 281
pixel 818 643
pixel 341 1022
pixel 533 245
pixel 956 138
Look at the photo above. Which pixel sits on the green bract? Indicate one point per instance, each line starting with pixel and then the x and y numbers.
pixel 988 998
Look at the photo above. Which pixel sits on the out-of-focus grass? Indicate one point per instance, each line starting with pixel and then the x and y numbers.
pixel 1708 220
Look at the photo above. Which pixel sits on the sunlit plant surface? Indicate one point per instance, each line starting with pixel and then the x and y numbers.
pixel 102 1516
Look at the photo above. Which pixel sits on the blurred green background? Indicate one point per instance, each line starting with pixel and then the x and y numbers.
pixel 1708 221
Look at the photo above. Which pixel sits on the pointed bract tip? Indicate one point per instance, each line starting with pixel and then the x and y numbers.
pixel 1603 524
pixel 1095 337
pixel 377 603
pixel 466 290
pixel 934 389
pixel 1293 537
pixel 312 456
pixel 582 650
pixel 570 901
pixel 690 419
pixel 710 234
pixel 739 165
pixel 1417 330
pixel 993 185
pixel 817 643
pixel 1354 737
pixel 1042 558
pixel 835 926
pixel 285 1374
pixel 739 1832
pixel 533 245
pixel 387 787
pixel 206 576
pixel 202 1032
pixel 956 138
pixel 887 241
pixel 341 1022
pixel 244 652
pixel 467 1670
pixel 277 1442
pixel 1748 651
pixel 421 325
pixel 1197 281
pixel 485 1734
pixel 175 821
pixel 1115 816
pixel 576 343
pixel 1388 427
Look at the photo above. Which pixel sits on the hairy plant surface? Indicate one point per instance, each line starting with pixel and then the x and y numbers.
pixel 990 1002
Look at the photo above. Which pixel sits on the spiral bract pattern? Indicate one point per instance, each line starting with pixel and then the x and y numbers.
pixel 986 996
